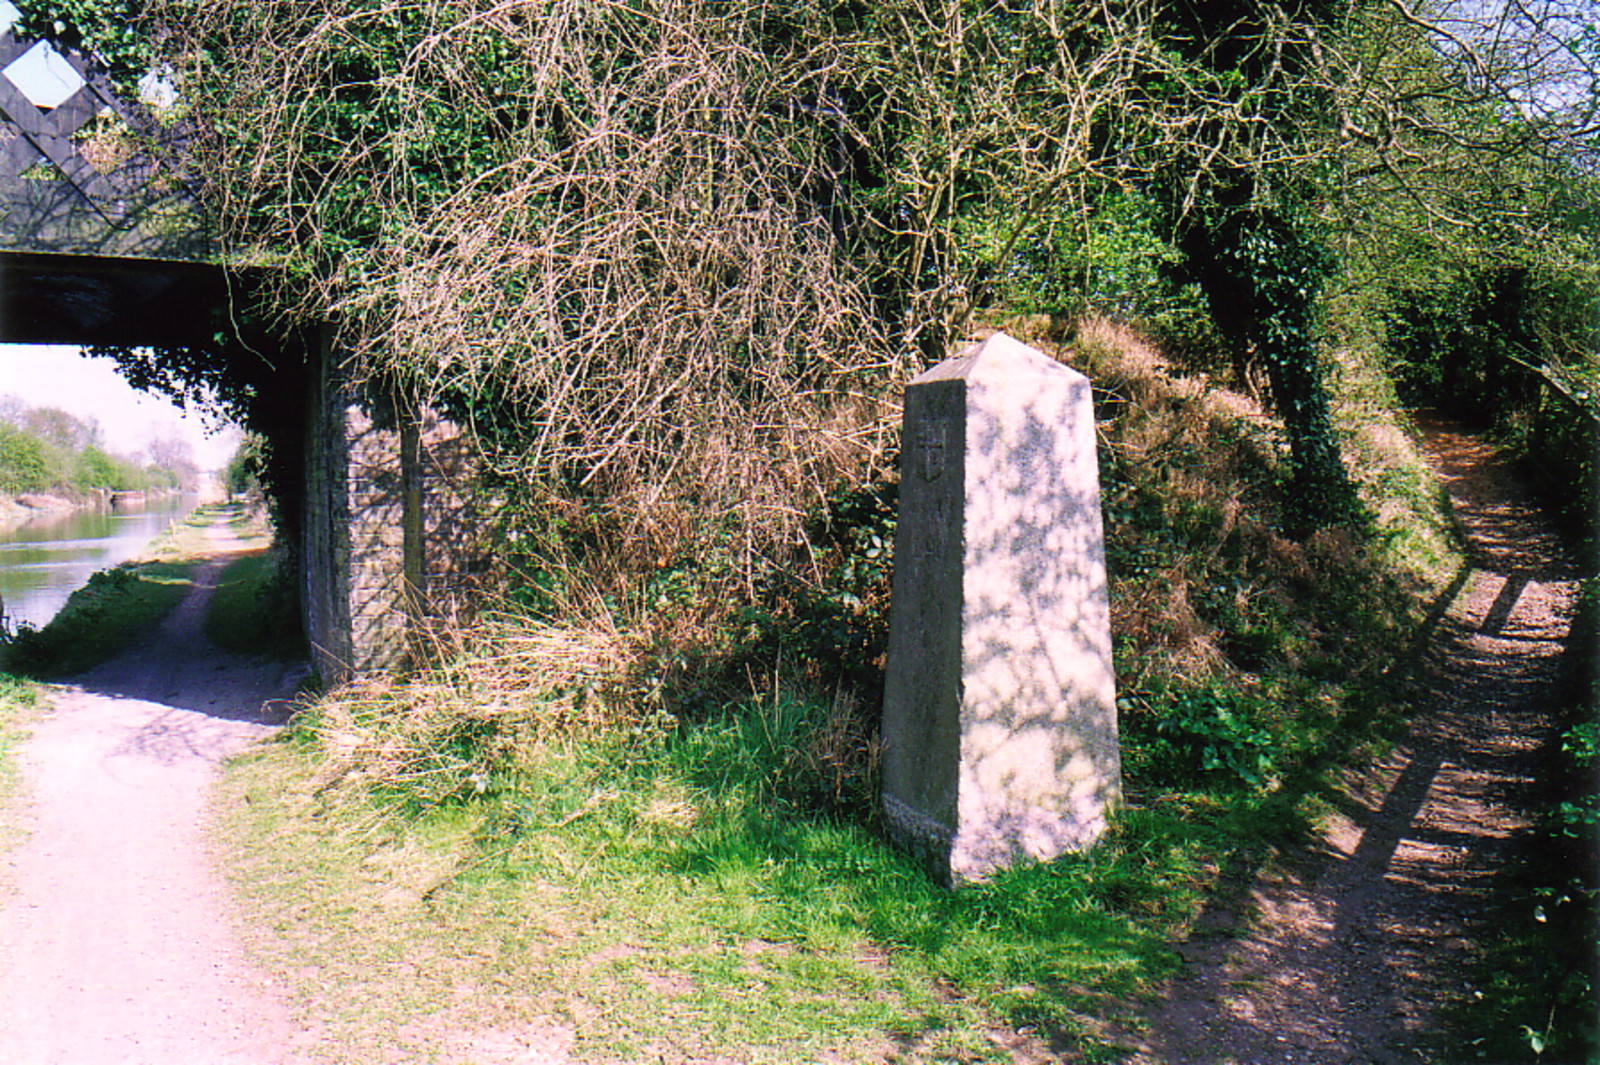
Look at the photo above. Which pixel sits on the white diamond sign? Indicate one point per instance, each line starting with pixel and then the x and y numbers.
pixel 44 76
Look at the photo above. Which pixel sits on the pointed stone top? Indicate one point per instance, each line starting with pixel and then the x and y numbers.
pixel 1000 356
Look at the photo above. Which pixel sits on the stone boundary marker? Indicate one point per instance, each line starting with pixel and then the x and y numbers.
pixel 999 724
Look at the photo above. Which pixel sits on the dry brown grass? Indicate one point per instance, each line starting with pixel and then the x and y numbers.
pixel 1192 475
pixel 1179 410
pixel 1156 615
pixel 1193 450
pixel 454 729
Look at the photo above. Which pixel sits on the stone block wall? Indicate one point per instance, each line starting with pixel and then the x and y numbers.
pixel 391 548
pixel 451 559
pixel 378 593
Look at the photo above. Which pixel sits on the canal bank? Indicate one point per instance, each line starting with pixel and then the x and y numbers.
pixel 21 509
pixel 50 546
pixel 26 507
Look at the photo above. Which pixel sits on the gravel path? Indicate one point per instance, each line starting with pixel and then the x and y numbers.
pixel 1347 953
pixel 115 942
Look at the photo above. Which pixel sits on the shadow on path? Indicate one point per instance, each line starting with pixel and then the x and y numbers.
pixel 115 941
pixel 1354 948
pixel 178 665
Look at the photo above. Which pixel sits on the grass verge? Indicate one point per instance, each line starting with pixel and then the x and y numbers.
pixel 253 611
pixel 671 903
pixel 19 701
pixel 102 619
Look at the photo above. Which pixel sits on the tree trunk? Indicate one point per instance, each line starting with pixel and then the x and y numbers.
pixel 1261 277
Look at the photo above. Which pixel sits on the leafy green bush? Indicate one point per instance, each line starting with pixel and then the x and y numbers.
pixel 1115 263
pixel 838 621
pixel 24 461
pixel 243 471
pixel 93 468
pixel 1202 737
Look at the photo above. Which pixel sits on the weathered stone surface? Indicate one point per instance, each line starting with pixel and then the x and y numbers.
pixel 1000 731
pixel 379 595
pixel 392 547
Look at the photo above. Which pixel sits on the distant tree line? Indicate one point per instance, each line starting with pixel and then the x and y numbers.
pixel 47 450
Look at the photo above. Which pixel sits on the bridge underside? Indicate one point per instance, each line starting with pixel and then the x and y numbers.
pixel 86 300
pixel 104 243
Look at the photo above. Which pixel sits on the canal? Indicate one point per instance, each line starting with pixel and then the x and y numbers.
pixel 46 559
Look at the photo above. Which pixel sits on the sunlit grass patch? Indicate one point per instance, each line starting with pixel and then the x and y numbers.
pixel 19 700
pixel 190 538
pixel 254 609
pixel 681 889
pixel 1410 511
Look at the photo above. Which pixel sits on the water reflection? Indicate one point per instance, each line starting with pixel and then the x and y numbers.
pixel 46 559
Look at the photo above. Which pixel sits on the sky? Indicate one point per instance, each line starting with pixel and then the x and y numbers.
pixel 91 388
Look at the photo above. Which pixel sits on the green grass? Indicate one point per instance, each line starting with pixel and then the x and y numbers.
pixel 102 619
pixel 1413 523
pixel 672 903
pixel 19 701
pixel 253 609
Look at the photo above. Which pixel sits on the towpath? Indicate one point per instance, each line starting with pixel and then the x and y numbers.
pixel 1348 953
pixel 115 941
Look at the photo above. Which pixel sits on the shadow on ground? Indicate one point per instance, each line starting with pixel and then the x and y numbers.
pixel 1350 951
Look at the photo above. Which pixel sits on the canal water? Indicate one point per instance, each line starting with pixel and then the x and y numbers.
pixel 45 560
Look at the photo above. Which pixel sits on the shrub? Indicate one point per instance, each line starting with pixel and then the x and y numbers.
pixel 1197 738
pixel 24 461
pixel 93 468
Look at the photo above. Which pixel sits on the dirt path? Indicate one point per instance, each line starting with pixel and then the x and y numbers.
pixel 115 946
pixel 1351 951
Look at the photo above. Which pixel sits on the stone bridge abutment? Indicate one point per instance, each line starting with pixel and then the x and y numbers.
pixel 389 544
pixel 113 250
